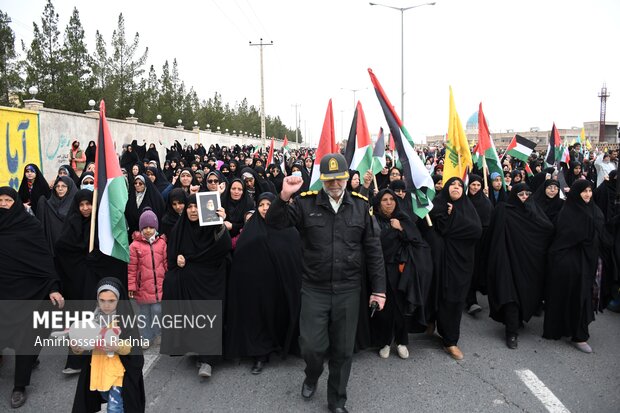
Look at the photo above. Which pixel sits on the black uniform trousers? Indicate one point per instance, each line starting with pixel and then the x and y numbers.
pixel 23 369
pixel 328 323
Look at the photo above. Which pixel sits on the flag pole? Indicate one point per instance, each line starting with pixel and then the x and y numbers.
pixel 372 171
pixel 485 171
pixel 93 222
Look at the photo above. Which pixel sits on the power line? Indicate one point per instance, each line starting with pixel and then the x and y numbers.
pixel 257 19
pixel 243 35
pixel 257 32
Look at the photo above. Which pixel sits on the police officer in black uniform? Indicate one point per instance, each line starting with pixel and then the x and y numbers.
pixel 339 236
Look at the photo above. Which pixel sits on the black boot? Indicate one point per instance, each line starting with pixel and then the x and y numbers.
pixel 511 341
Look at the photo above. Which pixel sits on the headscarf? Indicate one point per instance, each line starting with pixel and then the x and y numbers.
pixel 91 151
pixel 149 198
pixel 570 173
pixel 463 222
pixel 71 173
pixel 550 206
pixel 32 193
pixel 585 220
pixel 170 219
pixel 236 210
pixel 161 183
pixel 352 173
pixel 194 182
pixel 481 202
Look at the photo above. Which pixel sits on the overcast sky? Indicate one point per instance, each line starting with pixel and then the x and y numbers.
pixel 530 62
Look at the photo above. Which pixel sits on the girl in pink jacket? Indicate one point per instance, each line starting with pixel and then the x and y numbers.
pixel 147 265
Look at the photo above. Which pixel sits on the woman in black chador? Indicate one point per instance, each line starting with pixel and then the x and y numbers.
pixel 518 239
pixel 456 228
pixel 198 263
pixel 547 197
pixel 575 266
pixel 409 272
pixel 263 289
pixel 484 208
pixel 27 274
pixel 33 185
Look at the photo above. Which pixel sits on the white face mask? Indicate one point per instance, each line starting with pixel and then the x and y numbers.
pixel 90 187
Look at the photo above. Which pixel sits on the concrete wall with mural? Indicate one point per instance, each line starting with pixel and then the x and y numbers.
pixel 19 144
pixel 44 138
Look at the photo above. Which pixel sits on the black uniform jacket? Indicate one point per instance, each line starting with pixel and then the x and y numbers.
pixel 337 247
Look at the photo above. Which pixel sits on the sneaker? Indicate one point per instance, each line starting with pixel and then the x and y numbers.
pixel 205 370
pixel 454 352
pixel 583 346
pixel 403 352
pixel 384 352
pixel 474 309
pixel 69 370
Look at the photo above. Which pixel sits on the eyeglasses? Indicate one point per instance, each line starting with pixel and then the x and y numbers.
pixel 138 183
pixel 212 181
pixel 524 193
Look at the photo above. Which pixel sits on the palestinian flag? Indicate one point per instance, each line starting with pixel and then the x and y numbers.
pixel 378 154
pixel 528 170
pixel 270 155
pixel 520 148
pixel 554 147
pixel 358 152
pixel 565 155
pixel 111 191
pixel 327 144
pixel 284 155
pixel 458 155
pixel 417 177
pixel 485 149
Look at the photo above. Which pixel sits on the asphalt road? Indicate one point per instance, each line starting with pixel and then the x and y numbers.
pixel 540 376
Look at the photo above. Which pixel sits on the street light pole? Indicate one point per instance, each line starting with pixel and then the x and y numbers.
pixel 354 92
pixel 296 105
pixel 402 49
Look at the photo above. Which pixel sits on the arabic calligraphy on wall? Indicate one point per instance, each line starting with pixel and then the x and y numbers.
pixel 19 144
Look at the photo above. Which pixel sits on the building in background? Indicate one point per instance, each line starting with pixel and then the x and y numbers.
pixel 502 139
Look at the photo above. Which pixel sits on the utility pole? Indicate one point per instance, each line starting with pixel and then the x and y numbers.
pixel 262 89
pixel 296 105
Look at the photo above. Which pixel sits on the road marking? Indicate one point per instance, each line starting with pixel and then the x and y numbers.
pixel 547 398
pixel 149 362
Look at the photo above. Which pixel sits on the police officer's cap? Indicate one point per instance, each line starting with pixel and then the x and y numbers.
pixel 333 166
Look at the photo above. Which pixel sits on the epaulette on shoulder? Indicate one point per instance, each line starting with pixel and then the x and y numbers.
pixel 359 196
pixel 309 193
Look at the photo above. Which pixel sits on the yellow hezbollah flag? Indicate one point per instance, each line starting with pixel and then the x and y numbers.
pixel 585 141
pixel 19 145
pixel 458 156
